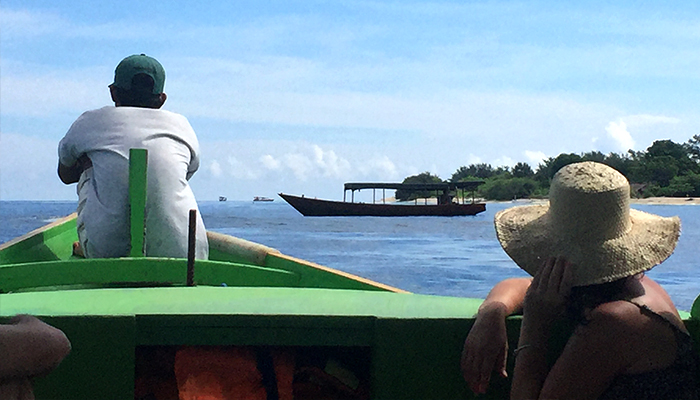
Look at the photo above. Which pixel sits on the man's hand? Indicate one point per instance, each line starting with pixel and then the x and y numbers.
pixel 71 174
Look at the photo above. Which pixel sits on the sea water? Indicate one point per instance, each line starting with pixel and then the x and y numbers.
pixel 449 256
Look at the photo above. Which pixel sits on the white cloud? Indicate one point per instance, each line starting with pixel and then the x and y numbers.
pixel 215 169
pixel 270 162
pixel 617 131
pixel 299 164
pixel 242 170
pixel 645 119
pixel 504 161
pixel 31 90
pixel 23 23
pixel 28 169
pixel 329 163
pixel 619 137
pixel 378 167
pixel 535 158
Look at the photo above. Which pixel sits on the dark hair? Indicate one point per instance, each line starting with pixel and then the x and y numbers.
pixel 140 94
pixel 583 299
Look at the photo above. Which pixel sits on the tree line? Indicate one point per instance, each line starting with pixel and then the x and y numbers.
pixel 665 169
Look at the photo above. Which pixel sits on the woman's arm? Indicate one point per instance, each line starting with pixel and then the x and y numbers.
pixel 29 347
pixel 595 354
pixel 486 347
pixel 545 303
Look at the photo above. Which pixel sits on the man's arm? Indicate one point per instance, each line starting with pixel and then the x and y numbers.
pixel 71 174
pixel 29 347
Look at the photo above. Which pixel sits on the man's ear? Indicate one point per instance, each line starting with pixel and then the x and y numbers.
pixel 163 97
pixel 113 93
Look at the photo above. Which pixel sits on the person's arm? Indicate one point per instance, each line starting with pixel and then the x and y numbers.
pixel 486 347
pixel 71 174
pixel 594 355
pixel 30 347
pixel 545 303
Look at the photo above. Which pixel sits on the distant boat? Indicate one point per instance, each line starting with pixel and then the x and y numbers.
pixel 222 198
pixel 260 198
pixel 445 207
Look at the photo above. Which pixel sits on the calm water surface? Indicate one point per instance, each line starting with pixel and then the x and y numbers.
pixel 456 256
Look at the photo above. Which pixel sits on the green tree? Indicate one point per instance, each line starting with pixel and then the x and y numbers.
pixel 479 171
pixel 596 156
pixel 522 170
pixel 425 177
pixel 620 162
pixel 692 147
pixel 545 172
pixel 508 188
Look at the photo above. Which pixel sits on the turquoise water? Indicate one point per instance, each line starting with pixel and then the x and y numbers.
pixel 456 256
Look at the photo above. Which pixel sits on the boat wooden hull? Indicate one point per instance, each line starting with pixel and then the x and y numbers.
pixel 310 207
pixel 247 294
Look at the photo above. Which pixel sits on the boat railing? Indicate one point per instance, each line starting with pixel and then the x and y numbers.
pixel 444 187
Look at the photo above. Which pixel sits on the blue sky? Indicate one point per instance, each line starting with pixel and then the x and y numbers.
pixel 302 96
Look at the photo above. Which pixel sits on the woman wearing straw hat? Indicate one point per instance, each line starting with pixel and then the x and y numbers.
pixel 587 251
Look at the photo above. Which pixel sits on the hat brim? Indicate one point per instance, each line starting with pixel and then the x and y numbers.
pixel 527 236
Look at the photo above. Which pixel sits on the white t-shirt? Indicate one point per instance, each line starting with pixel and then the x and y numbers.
pixel 105 135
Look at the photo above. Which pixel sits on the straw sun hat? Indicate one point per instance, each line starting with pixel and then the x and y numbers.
pixel 589 221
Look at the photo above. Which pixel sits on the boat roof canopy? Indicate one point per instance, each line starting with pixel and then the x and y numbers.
pixel 465 185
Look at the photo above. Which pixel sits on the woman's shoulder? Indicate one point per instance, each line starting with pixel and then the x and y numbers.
pixel 632 319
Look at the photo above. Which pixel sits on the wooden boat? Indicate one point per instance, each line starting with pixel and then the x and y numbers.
pixel 445 207
pixel 405 346
pixel 117 312
pixel 246 294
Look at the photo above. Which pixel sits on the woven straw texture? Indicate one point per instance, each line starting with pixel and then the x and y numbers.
pixel 589 221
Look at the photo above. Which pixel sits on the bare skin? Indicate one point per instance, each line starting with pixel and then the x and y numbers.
pixel 28 348
pixel 595 353
pixel 486 347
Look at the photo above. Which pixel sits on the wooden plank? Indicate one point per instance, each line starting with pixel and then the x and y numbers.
pixel 138 187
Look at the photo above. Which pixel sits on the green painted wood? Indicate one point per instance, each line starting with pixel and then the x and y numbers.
pixel 138 187
pixel 203 300
pixel 418 359
pixel 320 277
pixel 255 330
pixel 96 273
pixel 48 243
pixel 415 341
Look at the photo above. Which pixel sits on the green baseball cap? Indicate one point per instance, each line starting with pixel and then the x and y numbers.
pixel 139 64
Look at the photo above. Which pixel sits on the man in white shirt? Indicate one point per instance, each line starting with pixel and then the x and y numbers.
pixel 95 154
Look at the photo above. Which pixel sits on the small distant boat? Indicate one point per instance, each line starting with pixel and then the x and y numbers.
pixel 222 198
pixel 260 198
pixel 445 206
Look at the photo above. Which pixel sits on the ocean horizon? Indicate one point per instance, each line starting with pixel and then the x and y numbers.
pixel 448 256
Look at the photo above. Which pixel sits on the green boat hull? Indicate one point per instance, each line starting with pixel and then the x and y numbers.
pixel 245 295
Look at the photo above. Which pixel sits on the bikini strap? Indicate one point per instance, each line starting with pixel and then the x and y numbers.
pixel 648 311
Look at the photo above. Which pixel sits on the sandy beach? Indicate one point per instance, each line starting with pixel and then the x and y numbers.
pixel 668 200
pixel 651 200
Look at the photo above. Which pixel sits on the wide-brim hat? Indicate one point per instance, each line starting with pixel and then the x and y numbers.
pixel 589 222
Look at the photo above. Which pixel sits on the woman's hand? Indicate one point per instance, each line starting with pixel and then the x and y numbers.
pixel 546 298
pixel 486 348
pixel 545 302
